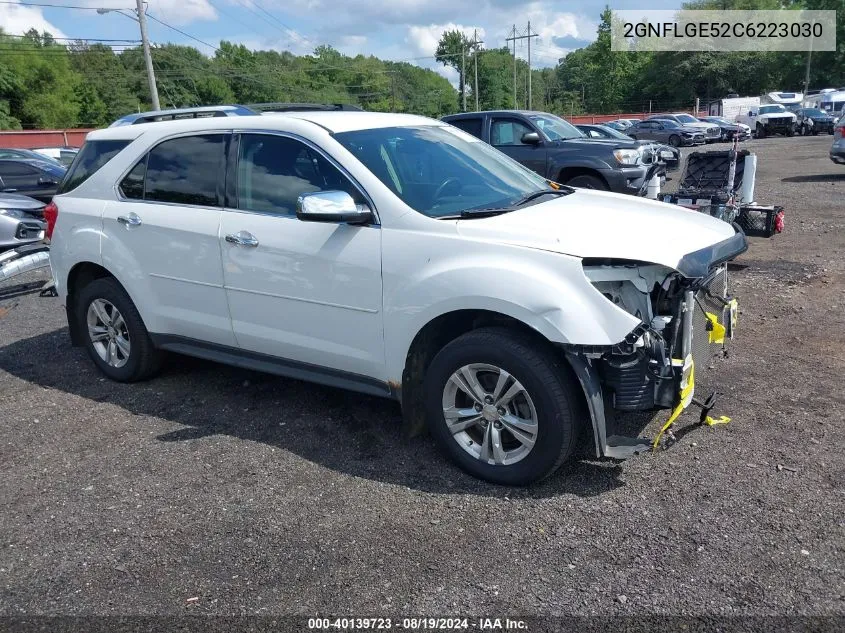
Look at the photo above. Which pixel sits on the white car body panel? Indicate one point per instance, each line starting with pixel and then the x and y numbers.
pixel 353 298
pixel 309 292
pixel 170 266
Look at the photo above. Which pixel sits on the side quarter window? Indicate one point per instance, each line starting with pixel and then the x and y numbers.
pixel 132 186
pixel 273 171
pixel 186 170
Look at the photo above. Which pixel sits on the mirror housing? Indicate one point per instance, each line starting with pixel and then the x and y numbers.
pixel 46 180
pixel 331 206
pixel 531 138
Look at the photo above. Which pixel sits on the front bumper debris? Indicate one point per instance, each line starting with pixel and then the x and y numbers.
pixel 660 371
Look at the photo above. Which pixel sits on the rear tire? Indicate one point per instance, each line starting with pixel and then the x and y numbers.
pixel 545 394
pixel 113 332
pixel 586 181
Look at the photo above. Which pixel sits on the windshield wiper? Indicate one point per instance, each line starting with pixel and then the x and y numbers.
pixel 477 213
pixel 538 194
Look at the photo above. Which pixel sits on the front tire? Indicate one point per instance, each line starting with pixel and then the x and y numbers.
pixel 674 140
pixel 114 333
pixel 586 181
pixel 502 406
pixel 761 131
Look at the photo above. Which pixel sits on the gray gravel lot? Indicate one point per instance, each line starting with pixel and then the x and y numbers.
pixel 260 495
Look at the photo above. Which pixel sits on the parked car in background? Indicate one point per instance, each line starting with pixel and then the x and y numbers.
pixel 711 132
pixel 21 220
pixel 666 131
pixel 813 121
pixel 397 256
pixel 15 152
pixel 558 151
pixel 36 178
pixel 63 155
pixel 668 154
pixel 729 130
pixel 617 125
pixel 768 119
pixel 837 150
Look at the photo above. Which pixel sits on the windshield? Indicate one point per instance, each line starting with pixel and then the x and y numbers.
pixel 769 109
pixel 686 118
pixel 440 170
pixel 814 112
pixel 668 122
pixel 555 128
pixel 614 133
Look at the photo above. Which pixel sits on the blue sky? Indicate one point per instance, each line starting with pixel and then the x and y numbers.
pixel 390 29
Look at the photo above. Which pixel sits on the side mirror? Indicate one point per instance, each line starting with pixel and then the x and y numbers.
pixel 750 114
pixel 46 180
pixel 531 138
pixel 331 206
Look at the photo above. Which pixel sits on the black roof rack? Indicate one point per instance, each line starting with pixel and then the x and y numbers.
pixel 304 107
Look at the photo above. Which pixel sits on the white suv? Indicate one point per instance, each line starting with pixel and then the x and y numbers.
pixel 398 256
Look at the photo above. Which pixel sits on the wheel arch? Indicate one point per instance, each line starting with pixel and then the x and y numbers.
pixel 434 336
pixel 80 275
pixel 567 173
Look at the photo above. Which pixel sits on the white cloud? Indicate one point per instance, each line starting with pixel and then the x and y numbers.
pixel 424 39
pixel 176 12
pixel 17 19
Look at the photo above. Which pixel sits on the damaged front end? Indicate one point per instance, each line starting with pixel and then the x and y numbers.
pixel 687 316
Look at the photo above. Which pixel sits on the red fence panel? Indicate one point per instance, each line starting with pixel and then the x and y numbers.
pixel 29 139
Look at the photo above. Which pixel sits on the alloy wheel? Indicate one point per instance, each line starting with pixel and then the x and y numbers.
pixel 108 333
pixel 490 414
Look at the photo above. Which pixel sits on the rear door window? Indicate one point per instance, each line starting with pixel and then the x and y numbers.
pixel 186 170
pixel 469 125
pixel 92 156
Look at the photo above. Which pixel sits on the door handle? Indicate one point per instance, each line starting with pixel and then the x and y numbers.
pixel 129 220
pixel 242 238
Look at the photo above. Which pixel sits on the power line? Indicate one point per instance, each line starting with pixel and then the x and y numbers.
pixel 58 6
pixel 196 39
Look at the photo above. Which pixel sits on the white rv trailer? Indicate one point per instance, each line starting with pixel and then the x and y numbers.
pixel 830 100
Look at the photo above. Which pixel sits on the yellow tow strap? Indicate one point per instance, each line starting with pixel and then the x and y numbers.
pixel 717 330
pixel 687 391
pixel 722 419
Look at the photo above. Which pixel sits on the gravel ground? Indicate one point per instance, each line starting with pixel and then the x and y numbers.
pixel 220 491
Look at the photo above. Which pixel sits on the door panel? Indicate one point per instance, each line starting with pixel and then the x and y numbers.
pixel 167 252
pixel 308 291
pixel 506 135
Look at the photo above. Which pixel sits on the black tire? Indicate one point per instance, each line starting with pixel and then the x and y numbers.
pixel 587 181
pixel 790 132
pixel 144 359
pixel 675 140
pixel 761 131
pixel 815 132
pixel 546 378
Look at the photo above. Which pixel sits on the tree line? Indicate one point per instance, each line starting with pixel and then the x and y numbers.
pixel 45 83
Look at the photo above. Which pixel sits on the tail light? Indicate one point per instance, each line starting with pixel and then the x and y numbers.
pixel 839 130
pixel 51 214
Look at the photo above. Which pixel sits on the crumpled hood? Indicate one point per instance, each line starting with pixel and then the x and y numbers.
pixel 607 225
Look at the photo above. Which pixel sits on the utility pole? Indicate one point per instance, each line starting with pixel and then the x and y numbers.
pixel 516 37
pixel 475 44
pixel 809 59
pixel 464 73
pixel 513 37
pixel 145 41
pixel 529 63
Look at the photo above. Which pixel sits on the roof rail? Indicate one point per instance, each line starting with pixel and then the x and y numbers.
pixel 184 113
pixel 304 107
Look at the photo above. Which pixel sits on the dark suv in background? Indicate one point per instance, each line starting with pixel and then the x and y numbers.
pixel 560 152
